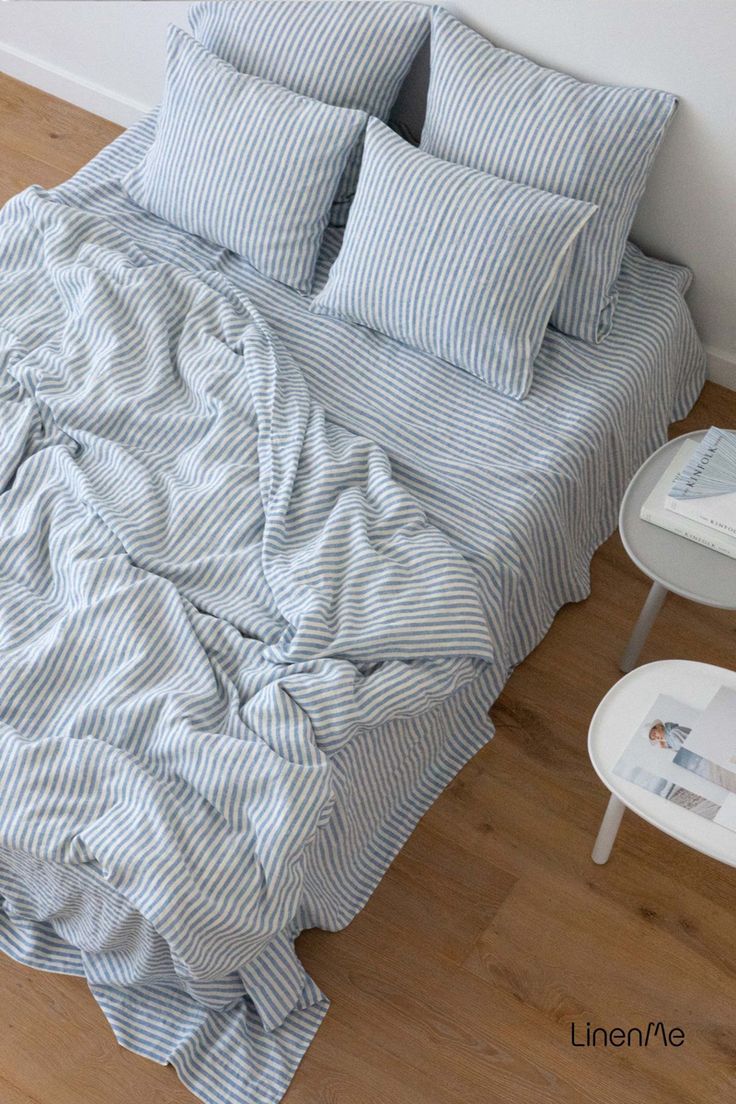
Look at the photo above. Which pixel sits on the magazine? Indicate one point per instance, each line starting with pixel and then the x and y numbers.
pixel 705 490
pixel 710 748
pixel 654 509
pixel 649 761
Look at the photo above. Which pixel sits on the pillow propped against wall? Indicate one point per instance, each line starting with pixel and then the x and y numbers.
pixel 497 111
pixel 452 261
pixel 244 163
pixel 354 54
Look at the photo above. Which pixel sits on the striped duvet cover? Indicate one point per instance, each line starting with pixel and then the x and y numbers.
pixel 208 590
pixel 524 491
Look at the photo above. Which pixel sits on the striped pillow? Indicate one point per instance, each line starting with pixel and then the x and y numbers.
pixel 244 163
pixel 353 54
pixel 452 261
pixel 498 111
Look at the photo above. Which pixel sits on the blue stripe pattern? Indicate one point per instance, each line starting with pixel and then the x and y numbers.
pixel 206 590
pixel 525 491
pixel 455 262
pixel 217 166
pixel 499 112
pixel 353 54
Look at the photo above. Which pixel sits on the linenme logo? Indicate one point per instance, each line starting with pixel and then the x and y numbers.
pixel 651 1033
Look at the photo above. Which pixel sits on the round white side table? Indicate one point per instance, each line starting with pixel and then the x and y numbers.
pixel 615 722
pixel 673 563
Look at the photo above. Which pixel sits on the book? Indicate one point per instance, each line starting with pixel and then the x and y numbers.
pixel 655 512
pixel 705 490
pixel 650 760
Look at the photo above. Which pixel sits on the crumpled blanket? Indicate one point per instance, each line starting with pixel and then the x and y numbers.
pixel 206 590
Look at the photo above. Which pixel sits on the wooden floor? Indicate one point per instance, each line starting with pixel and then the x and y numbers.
pixel 493 930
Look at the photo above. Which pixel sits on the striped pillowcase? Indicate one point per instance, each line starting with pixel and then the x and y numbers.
pixel 452 261
pixel 244 163
pixel 499 112
pixel 353 54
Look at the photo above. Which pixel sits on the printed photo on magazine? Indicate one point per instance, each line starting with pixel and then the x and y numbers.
pixel 710 751
pixel 649 759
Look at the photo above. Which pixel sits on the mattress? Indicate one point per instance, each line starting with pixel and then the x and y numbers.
pixel 525 491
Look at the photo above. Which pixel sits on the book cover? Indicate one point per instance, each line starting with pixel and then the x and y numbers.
pixel 705 489
pixel 655 512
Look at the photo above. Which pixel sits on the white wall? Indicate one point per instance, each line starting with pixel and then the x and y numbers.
pixel 107 55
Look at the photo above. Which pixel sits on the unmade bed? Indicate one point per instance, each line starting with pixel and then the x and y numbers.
pixel 485 512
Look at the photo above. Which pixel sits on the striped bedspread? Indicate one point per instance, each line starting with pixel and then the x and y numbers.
pixel 524 491
pixel 208 592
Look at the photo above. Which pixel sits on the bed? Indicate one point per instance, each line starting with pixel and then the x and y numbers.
pixel 536 485
pixel 508 501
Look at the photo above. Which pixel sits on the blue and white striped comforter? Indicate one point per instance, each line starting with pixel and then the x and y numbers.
pixel 526 492
pixel 208 591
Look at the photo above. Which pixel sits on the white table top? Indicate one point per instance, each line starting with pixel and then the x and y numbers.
pixel 680 565
pixel 614 723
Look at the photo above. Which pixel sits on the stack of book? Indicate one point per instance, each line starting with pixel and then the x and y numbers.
pixel 696 496
pixel 688 756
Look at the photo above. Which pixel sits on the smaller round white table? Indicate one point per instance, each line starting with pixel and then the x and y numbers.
pixel 673 563
pixel 614 723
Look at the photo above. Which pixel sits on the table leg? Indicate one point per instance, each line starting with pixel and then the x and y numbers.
pixel 650 609
pixel 608 830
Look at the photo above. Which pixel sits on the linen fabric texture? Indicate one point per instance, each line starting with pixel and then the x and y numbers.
pixel 244 163
pixel 353 54
pixel 452 261
pixel 495 110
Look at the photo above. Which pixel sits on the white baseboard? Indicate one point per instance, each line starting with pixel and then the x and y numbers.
pixel 67 86
pixel 721 368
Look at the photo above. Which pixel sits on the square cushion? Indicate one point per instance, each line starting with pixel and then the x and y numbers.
pixel 351 54
pixel 244 163
pixel 497 111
